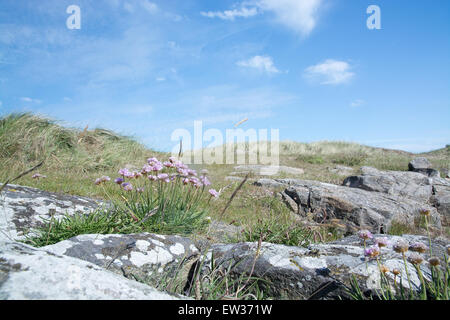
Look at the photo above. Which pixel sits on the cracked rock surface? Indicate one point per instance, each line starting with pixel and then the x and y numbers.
pixel 25 208
pixel 35 274
pixel 320 271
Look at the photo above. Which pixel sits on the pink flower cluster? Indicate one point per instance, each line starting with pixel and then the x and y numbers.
pixel 165 172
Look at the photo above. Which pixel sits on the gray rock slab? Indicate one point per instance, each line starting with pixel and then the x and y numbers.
pixel 357 207
pixel 400 183
pixel 149 257
pixel 25 208
pixel 320 271
pixel 27 273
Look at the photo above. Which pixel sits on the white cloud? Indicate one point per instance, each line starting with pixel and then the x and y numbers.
pixel 30 100
pixel 330 72
pixel 149 6
pixel 231 14
pixel 357 103
pixel 262 63
pixel 299 15
pixel 160 79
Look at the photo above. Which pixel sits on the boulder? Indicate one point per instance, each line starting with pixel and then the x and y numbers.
pixel 27 273
pixel 423 166
pixel 24 208
pixel 441 198
pixel 358 208
pixel 319 271
pixel 419 163
pixel 146 256
pixel 399 183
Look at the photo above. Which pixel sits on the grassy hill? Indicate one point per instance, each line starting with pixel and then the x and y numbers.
pixel 72 158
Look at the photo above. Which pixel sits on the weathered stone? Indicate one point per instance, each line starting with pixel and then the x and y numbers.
pixel 144 256
pixel 320 271
pixel 24 208
pixel 419 163
pixel 423 166
pixel 405 184
pixel 220 231
pixel 281 183
pixel 441 198
pixel 291 204
pixel 356 207
pixel 34 274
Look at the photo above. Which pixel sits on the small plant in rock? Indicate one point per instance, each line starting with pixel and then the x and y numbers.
pixel 164 194
pixel 161 198
pixel 435 288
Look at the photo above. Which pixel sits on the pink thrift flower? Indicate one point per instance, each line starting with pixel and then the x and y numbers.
pixel 372 252
pixel 382 242
pixel 181 165
pixel 213 193
pixel 168 164
pixel 205 180
pixel 157 167
pixel 192 172
pixel 124 172
pixel 146 168
pixel 418 247
pixel 127 186
pixel 164 177
pixel 365 234
pixel 152 160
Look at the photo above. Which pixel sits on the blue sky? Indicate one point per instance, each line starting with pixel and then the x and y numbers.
pixel 310 68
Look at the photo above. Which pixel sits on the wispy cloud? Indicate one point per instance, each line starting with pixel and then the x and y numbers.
pixel 331 72
pixel 261 63
pixel 232 14
pixel 298 15
pixel 132 6
pixel 30 100
pixel 357 103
